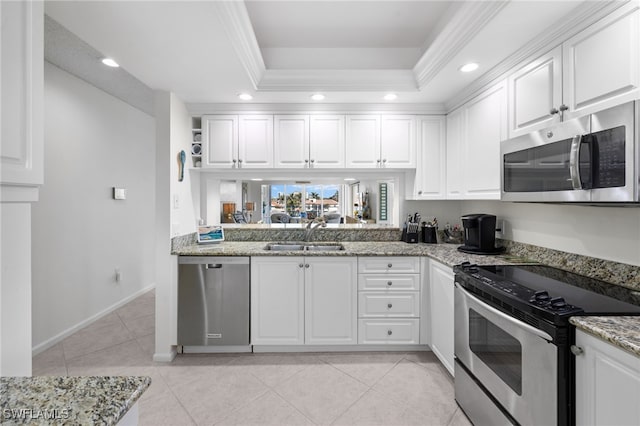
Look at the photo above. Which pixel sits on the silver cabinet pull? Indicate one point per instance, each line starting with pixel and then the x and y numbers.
pixel 306 265
pixel 553 111
pixel 576 350
pixel 213 266
pixel 301 265
pixel 563 108
pixel 389 332
pixel 419 192
pixel 389 283
pixel 389 265
pixel 549 134
pixel 389 306
pixel 574 162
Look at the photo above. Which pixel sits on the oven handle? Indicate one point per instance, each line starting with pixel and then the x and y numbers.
pixel 574 162
pixel 504 316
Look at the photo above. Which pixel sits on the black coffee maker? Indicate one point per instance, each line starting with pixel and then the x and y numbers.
pixel 480 234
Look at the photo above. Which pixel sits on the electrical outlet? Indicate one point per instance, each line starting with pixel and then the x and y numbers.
pixel 500 228
pixel 118 275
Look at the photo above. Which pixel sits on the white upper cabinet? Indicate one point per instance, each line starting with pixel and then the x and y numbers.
pixel 485 125
pixel 231 141
pixel 363 141
pixel 255 141
pixel 534 92
pixel 454 154
pixel 327 141
pixel 291 141
pixel 21 85
pixel 430 181
pixel 398 141
pixel 601 64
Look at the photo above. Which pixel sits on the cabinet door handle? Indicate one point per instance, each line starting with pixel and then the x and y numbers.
pixel 419 192
pixel 301 265
pixel 563 108
pixel 389 332
pixel 576 350
pixel 389 283
pixel 306 163
pixel 389 265
pixel 306 265
pixel 389 306
pixel 554 111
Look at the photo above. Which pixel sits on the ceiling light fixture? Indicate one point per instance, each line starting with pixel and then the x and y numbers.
pixel 471 66
pixel 256 179
pixel 390 97
pixel 317 97
pixel 349 179
pixel 110 62
pixel 245 96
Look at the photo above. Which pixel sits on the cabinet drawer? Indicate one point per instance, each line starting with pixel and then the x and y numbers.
pixel 388 305
pixel 389 282
pixel 395 264
pixel 388 331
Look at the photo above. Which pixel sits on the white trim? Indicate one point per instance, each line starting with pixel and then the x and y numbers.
pixel 576 21
pixel 19 194
pixel 165 356
pixel 236 22
pixel 338 80
pixel 197 109
pixel 339 348
pixel 463 27
pixel 69 331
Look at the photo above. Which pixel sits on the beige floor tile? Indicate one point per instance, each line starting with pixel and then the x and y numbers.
pixel 426 391
pixel 216 393
pixel 428 360
pixel 375 408
pixel 365 367
pixel 141 326
pixel 165 410
pixel 127 354
pixel 137 308
pixel 87 341
pixel 321 392
pixel 268 409
pixel 50 362
pixel 460 419
pixel 148 343
pixel 273 369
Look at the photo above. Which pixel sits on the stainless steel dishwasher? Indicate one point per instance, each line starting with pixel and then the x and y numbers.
pixel 213 301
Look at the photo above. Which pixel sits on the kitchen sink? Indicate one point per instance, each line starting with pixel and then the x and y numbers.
pixel 304 247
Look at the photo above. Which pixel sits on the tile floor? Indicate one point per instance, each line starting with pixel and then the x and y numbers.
pixel 258 389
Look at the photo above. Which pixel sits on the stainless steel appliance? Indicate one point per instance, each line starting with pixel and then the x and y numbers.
pixel 513 340
pixel 213 301
pixel 479 234
pixel 590 159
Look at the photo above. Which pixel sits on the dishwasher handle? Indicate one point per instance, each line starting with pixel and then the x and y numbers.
pixel 213 266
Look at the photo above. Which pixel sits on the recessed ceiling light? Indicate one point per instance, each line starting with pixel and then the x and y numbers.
pixel 471 66
pixel 390 97
pixel 256 179
pixel 110 62
pixel 349 179
pixel 245 96
pixel 317 97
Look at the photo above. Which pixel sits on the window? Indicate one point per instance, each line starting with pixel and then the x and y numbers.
pixel 306 200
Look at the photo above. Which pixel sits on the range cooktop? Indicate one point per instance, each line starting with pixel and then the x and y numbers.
pixel 547 292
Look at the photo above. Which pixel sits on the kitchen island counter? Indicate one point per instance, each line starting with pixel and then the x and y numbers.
pixel 92 400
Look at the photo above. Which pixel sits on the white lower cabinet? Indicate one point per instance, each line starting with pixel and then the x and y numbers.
pixel 389 300
pixel 440 284
pixel 303 300
pixel 607 383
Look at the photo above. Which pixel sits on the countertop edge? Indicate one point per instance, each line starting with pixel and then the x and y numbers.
pixel 620 331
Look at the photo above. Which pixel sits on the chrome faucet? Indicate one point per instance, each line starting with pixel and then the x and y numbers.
pixel 312 226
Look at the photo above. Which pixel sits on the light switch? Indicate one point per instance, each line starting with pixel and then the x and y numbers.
pixel 119 194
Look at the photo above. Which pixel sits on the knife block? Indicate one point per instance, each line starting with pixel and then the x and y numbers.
pixel 410 237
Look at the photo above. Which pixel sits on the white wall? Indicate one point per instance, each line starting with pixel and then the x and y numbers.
pixel 611 233
pixel 173 134
pixel 93 142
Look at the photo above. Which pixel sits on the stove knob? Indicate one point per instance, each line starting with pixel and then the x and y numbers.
pixel 465 265
pixel 540 296
pixel 558 303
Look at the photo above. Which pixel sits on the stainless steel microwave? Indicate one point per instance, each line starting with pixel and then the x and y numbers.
pixel 590 159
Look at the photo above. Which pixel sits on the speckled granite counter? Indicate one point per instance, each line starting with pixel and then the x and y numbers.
pixel 623 332
pixel 445 253
pixel 68 400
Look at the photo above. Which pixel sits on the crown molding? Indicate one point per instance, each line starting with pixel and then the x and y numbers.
pixel 197 109
pixel 560 31
pixel 237 24
pixel 469 19
pixel 338 80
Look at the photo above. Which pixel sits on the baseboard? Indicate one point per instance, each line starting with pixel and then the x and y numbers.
pixel 68 332
pixel 340 348
pixel 215 349
pixel 166 356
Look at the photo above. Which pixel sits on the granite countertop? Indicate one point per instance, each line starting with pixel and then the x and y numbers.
pixel 445 253
pixel 94 400
pixel 621 331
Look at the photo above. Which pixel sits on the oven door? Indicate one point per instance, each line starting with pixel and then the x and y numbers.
pixel 515 362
